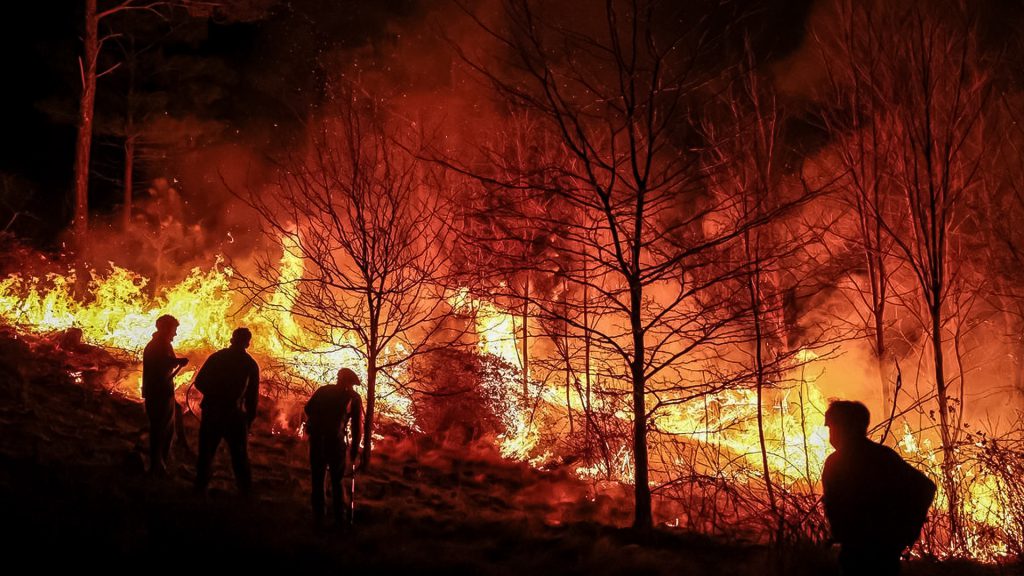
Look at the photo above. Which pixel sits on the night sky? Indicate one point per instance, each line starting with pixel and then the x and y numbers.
pixel 243 75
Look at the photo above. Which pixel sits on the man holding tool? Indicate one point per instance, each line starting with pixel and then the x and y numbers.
pixel 332 410
pixel 159 366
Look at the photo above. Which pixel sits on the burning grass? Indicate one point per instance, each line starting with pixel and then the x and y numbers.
pixel 705 456
pixel 72 473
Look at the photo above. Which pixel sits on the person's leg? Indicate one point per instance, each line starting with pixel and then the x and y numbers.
pixel 209 439
pixel 168 430
pixel 154 440
pixel 335 449
pixel 318 467
pixel 236 435
pixel 156 411
pixel 180 438
pixel 869 561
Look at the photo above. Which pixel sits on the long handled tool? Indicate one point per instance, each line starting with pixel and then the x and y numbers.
pixel 352 495
pixel 179 416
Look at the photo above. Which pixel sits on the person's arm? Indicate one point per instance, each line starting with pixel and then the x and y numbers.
pixel 356 421
pixel 836 500
pixel 173 359
pixel 201 382
pixel 917 499
pixel 159 359
pixel 252 392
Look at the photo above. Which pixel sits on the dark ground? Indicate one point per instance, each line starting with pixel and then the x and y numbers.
pixel 73 494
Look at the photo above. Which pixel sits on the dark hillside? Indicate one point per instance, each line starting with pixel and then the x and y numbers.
pixel 73 495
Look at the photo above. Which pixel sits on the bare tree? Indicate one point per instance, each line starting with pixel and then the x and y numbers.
pixel 505 249
pixel 88 63
pixel 371 236
pixel 615 95
pixel 938 122
pixel 753 161
pixel 855 53
pixel 96 12
pixel 136 107
pixel 934 91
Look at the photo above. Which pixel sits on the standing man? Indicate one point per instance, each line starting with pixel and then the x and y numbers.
pixel 159 365
pixel 875 502
pixel 230 384
pixel 331 410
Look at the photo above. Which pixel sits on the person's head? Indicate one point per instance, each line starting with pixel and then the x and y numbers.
pixel 241 338
pixel 847 421
pixel 347 378
pixel 167 326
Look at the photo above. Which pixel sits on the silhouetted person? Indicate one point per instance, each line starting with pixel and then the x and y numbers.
pixel 159 365
pixel 329 411
pixel 875 502
pixel 230 384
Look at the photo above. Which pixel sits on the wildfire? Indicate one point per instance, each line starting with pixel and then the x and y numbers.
pixel 619 466
pixel 495 328
pixel 796 440
pixel 120 314
pixel 121 311
pixel 496 335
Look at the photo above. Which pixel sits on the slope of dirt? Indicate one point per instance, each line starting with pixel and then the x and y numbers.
pixel 73 494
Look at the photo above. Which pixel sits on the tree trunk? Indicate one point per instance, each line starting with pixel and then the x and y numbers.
pixel 83 142
pixel 568 383
pixel 129 166
pixel 879 288
pixel 759 375
pixel 586 362
pixel 526 339
pixel 371 396
pixel 643 518
pixel 883 378
pixel 803 430
pixel 949 460
pixel 568 360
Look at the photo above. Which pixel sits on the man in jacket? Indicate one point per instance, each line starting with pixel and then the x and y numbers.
pixel 159 365
pixel 230 384
pixel 331 410
pixel 875 502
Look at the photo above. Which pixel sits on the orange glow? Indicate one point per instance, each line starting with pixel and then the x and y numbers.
pixel 120 314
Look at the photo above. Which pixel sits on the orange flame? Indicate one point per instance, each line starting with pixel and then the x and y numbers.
pixel 121 314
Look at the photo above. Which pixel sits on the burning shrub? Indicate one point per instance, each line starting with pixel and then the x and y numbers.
pixel 456 404
pixel 997 495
